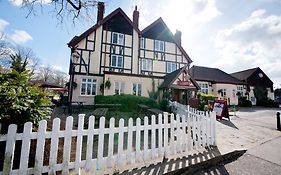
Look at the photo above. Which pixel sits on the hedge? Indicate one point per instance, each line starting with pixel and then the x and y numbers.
pixel 129 103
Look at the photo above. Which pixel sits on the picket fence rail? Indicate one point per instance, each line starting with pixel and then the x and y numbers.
pixel 147 140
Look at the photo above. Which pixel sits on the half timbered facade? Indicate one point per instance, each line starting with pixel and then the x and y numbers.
pixel 115 57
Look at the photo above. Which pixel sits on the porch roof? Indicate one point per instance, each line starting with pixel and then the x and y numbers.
pixel 171 77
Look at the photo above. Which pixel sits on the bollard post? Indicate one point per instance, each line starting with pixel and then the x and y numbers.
pixel 278 121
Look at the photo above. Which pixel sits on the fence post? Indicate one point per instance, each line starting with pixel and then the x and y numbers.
pixel 214 136
pixel 41 134
pixel 10 147
pixel 90 142
pixel 25 145
pixel 67 145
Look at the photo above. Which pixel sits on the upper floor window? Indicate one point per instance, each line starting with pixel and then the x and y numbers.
pixel 137 89
pixel 88 86
pixel 116 61
pixel 203 87
pixel 171 67
pixel 159 45
pixel 146 64
pixel 119 87
pixel 142 43
pixel 117 38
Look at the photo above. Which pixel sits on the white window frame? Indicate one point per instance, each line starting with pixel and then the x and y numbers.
pixel 138 89
pixel 171 67
pixel 158 44
pixel 118 57
pixel 204 88
pixel 119 87
pixel 120 38
pixel 146 65
pixel 223 92
pixel 90 83
pixel 240 89
pixel 142 43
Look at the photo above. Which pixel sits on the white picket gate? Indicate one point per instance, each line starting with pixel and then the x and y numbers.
pixel 145 141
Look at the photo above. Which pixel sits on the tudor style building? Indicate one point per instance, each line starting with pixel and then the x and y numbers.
pixel 115 57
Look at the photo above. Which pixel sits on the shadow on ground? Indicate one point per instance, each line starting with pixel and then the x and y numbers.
pixel 228 123
pixel 174 166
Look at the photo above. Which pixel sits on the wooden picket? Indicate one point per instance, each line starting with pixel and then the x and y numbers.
pixel 146 141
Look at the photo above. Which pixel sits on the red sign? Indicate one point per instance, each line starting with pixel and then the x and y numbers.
pixel 183 83
pixel 221 109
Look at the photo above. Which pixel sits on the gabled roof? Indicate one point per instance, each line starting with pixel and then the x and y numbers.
pixel 213 75
pixel 171 77
pixel 243 75
pixel 160 21
pixel 77 39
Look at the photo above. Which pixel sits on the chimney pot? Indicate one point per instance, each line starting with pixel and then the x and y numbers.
pixel 178 37
pixel 100 11
pixel 136 17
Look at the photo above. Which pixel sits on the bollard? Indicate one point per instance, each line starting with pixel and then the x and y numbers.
pixel 278 121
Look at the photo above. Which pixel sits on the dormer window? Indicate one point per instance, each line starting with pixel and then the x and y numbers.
pixel 159 45
pixel 117 38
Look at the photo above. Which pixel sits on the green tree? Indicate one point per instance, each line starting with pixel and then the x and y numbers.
pixel 261 95
pixel 20 101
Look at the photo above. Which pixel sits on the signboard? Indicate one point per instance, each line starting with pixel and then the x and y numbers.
pixel 221 109
pixel 183 83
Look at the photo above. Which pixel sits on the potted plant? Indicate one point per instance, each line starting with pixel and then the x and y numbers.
pixel 107 84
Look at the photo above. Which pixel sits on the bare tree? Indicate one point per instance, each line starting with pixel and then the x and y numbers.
pixel 45 74
pixel 62 8
pixel 19 57
pixel 60 78
pixel 4 46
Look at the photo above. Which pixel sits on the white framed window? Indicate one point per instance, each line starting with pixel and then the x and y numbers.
pixel 223 92
pixel 142 43
pixel 159 45
pixel 117 38
pixel 171 67
pixel 146 65
pixel 88 86
pixel 240 89
pixel 203 87
pixel 119 87
pixel 116 61
pixel 137 89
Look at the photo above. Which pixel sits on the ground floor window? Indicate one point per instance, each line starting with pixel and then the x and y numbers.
pixel 223 92
pixel 137 89
pixel 119 87
pixel 203 87
pixel 88 86
pixel 240 90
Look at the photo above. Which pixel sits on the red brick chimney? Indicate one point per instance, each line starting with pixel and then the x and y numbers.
pixel 100 11
pixel 178 37
pixel 136 17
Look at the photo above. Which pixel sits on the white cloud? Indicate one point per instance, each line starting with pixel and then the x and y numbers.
pixel 20 37
pixel 3 24
pixel 19 3
pixel 178 14
pixel 254 42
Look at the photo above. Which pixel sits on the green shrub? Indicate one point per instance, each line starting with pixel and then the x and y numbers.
pixel 129 103
pixel 243 102
pixel 203 100
pixel 21 101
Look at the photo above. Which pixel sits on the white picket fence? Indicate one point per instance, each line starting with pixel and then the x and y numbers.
pixel 138 141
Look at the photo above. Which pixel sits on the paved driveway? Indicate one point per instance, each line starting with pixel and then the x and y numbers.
pixel 249 128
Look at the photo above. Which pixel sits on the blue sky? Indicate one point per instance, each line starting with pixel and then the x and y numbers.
pixel 232 35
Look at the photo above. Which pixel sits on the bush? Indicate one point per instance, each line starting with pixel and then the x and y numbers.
pixel 203 100
pixel 129 103
pixel 21 101
pixel 243 102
